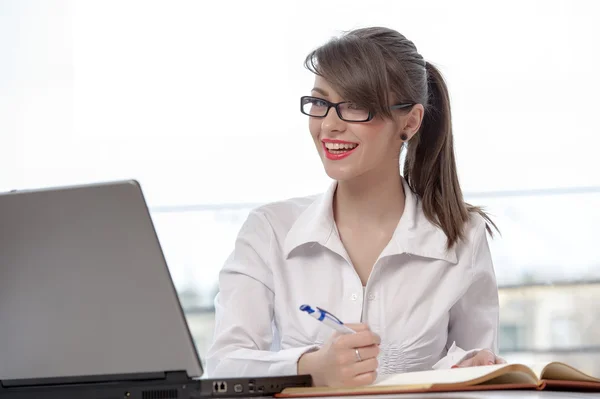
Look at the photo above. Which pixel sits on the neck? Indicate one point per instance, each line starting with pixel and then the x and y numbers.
pixel 371 199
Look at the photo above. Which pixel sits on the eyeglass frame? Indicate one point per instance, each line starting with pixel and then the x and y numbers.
pixel 338 112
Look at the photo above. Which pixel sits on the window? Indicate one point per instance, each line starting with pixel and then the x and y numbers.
pixel 509 336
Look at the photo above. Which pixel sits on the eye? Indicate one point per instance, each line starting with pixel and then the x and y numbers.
pixel 355 107
pixel 317 102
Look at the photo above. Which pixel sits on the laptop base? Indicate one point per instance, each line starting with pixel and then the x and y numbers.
pixel 174 386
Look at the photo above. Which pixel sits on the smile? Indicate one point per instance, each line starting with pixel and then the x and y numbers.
pixel 337 149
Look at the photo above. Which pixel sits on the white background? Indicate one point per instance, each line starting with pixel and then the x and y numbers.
pixel 163 92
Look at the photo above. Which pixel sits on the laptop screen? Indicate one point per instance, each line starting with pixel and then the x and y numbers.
pixel 84 287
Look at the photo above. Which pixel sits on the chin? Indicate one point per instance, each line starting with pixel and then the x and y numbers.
pixel 340 174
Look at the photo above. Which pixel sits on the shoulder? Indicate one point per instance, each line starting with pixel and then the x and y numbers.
pixel 474 238
pixel 477 247
pixel 278 216
pixel 288 209
pixel 262 233
pixel 431 235
pixel 476 227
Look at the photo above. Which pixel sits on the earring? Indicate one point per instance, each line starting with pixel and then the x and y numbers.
pixel 403 137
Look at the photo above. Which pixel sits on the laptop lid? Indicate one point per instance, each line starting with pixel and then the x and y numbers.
pixel 85 289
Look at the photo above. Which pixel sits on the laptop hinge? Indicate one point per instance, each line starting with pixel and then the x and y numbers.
pixel 172 376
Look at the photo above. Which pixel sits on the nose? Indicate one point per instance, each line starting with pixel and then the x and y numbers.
pixel 332 122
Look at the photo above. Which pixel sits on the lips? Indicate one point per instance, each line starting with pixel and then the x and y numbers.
pixel 338 149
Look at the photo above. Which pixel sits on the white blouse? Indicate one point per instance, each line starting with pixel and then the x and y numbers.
pixel 431 307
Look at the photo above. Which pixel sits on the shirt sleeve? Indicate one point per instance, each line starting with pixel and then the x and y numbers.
pixel 474 319
pixel 244 331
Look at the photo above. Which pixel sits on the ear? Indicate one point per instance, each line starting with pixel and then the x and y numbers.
pixel 411 122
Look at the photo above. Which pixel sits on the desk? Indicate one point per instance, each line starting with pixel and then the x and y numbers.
pixel 483 395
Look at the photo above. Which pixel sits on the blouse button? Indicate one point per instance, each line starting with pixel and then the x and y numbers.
pixel 371 297
pixel 354 297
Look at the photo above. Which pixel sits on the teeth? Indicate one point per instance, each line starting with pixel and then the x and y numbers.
pixel 340 146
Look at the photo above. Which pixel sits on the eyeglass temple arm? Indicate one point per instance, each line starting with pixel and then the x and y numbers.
pixel 400 106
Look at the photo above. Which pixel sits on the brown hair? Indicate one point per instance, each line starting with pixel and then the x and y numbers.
pixel 363 66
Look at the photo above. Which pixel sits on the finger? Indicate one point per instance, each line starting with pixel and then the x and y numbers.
pixel 500 360
pixel 348 356
pixel 483 358
pixel 358 327
pixel 466 363
pixel 377 338
pixel 368 352
pixel 366 366
pixel 364 379
pixel 487 357
pixel 358 340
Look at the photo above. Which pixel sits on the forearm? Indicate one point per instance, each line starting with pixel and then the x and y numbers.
pixel 251 362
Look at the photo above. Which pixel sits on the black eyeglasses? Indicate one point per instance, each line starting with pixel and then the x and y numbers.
pixel 346 111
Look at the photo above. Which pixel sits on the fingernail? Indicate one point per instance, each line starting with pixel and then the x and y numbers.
pixel 490 362
pixel 455 366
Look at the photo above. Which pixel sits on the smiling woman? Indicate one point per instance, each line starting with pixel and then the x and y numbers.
pixel 378 233
pixel 379 87
pixel 84 97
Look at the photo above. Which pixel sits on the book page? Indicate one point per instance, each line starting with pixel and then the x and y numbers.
pixel 423 380
pixel 452 376
pixel 538 368
pixel 561 371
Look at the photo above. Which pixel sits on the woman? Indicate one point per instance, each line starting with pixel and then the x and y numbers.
pixel 402 258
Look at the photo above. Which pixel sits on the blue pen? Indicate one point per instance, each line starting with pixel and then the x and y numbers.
pixel 327 318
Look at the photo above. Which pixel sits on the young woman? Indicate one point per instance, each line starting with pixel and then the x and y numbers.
pixel 400 258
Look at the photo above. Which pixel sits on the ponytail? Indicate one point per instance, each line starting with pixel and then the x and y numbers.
pixel 365 64
pixel 430 166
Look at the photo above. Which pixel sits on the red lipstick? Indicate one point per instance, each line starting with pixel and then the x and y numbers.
pixel 340 153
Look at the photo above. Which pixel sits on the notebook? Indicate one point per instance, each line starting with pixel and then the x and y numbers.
pixel 548 376
pixel 88 307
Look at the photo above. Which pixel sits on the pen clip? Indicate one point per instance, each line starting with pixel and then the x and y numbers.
pixel 322 313
pixel 325 314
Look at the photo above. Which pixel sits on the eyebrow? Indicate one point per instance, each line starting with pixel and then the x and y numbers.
pixel 320 91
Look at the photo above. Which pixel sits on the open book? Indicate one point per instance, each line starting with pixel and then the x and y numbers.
pixel 553 375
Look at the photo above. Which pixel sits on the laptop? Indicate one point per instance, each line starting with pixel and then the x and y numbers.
pixel 88 308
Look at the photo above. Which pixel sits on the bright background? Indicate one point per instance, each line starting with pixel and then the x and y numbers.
pixel 165 92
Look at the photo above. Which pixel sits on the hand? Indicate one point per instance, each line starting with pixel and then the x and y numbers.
pixel 482 358
pixel 336 364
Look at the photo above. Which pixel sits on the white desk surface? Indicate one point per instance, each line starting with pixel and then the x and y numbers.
pixel 484 395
